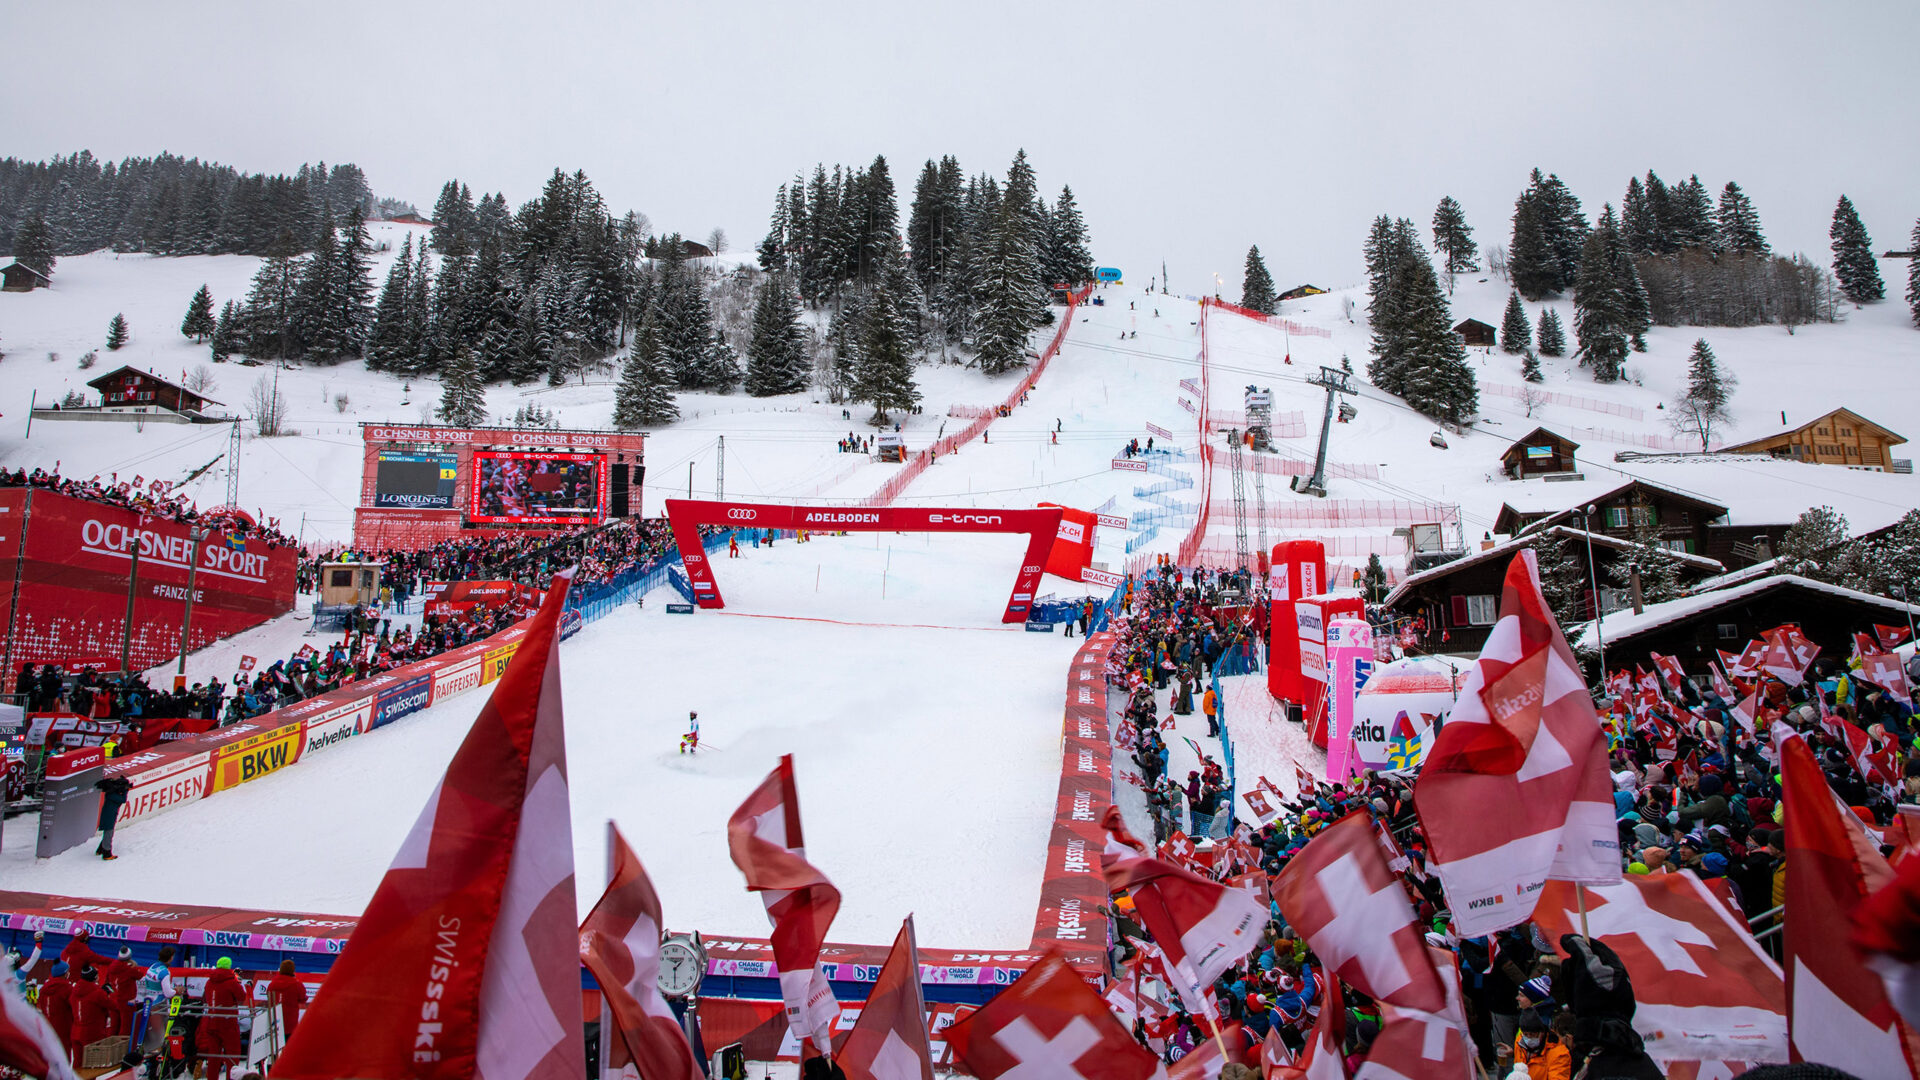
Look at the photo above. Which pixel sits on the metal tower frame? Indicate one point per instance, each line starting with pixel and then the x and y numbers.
pixel 1239 499
pixel 1336 382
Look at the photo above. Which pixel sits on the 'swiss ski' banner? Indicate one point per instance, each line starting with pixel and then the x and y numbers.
pixel 71 577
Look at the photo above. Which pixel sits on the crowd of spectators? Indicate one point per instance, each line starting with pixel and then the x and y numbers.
pixel 154 498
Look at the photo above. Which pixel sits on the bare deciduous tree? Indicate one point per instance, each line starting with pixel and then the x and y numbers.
pixel 717 241
pixel 200 379
pixel 268 408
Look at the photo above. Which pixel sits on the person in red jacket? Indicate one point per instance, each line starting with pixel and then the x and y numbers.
pixel 56 1001
pixel 92 1013
pixel 290 994
pixel 121 979
pixel 218 1037
pixel 79 953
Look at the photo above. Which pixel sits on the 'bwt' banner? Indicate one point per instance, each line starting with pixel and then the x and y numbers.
pixel 72 576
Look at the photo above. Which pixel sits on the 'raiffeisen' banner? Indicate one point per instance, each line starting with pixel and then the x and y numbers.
pixel 250 757
pixel 70 580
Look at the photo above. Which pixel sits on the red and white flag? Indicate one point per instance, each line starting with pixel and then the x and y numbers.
pixel 1702 987
pixel 1837 1008
pixel 764 838
pixel 620 944
pixel 1049 1025
pixel 1720 684
pixel 1886 930
pixel 1269 787
pixel 1321 1058
pixel 889 1042
pixel 1257 802
pixel 1892 637
pixel 1204 927
pixel 27 1040
pixel 1305 783
pixel 1788 654
pixel 1516 788
pixel 1670 671
pixel 1884 671
pixel 478 906
pixel 1414 1045
pixel 1354 914
pixel 1878 764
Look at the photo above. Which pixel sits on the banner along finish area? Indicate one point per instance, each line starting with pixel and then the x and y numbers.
pixel 687 516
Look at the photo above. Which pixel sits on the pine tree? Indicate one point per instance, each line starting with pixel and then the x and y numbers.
pixel 1913 277
pixel 318 325
pixel 1393 250
pixel 1813 544
pixel 1636 309
pixel 463 398
pixel 1702 410
pixel 1659 217
pixel 777 353
pixel 1528 261
pixel 1601 318
pixel 1011 302
pixel 1853 262
pixel 116 333
pixel 644 397
pixel 387 340
pixel 1887 564
pixel 1691 216
pixel 1429 360
pixel 1453 239
pixel 1530 368
pixel 33 244
pixel 1374 581
pixel 1659 571
pixel 883 376
pixel 353 282
pixel 1563 579
pixel 1552 337
pixel 223 331
pixel 1737 224
pixel 1637 224
pixel 1516 332
pixel 1566 231
pixel 1256 285
pixel 1070 240
pixel 773 249
pixel 199 322
pixel 454 220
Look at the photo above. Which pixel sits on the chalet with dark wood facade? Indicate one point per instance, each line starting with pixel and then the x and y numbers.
pixel 1539 453
pixel 1681 519
pixel 131 386
pixel 1457 603
pixel 19 277
pixel 1477 334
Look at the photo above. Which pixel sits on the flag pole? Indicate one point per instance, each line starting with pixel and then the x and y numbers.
pixel 1580 898
pixel 606 1014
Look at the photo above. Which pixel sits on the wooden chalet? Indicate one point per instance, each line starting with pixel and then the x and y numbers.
pixel 130 395
pixel 1301 291
pixel 1540 452
pixel 1477 334
pixel 1693 627
pixel 1680 518
pixel 1458 602
pixel 1841 437
pixel 19 277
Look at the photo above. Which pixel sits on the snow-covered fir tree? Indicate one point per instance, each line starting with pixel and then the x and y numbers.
pixel 1543 258
pixel 1690 222
pixel 1913 274
pixel 33 244
pixel 1657 569
pixel 1552 336
pixel 1887 564
pixel 1069 238
pixel 1563 579
pixel 1417 354
pixel 1702 410
pixel 116 332
pixel 1010 302
pixel 1601 318
pixel 1256 285
pixel 1737 224
pixel 1453 240
pixel 224 328
pixel 388 338
pixel 777 361
pixel 644 397
pixel 1530 368
pixel 883 371
pixel 1853 262
pixel 463 397
pixel 1813 544
pixel 199 322
pixel 1516 330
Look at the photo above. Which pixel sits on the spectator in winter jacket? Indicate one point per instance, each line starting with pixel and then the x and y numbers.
pixel 219 1032
pixel 79 953
pixel 290 994
pixel 120 980
pixel 1540 1050
pixel 56 1000
pixel 92 1013
pixel 115 790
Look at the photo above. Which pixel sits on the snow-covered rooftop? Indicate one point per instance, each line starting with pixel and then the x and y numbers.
pixel 1625 625
pixel 1506 548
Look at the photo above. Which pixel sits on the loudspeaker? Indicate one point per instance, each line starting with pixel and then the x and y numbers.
pixel 617 493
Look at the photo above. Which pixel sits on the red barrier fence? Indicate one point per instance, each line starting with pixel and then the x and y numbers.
pixel 1274 321
pixel 923 460
pixel 67 564
pixel 1571 401
pixel 1072 891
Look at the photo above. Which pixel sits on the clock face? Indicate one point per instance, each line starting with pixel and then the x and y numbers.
pixel 680 969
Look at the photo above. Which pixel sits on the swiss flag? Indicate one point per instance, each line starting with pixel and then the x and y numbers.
pixel 1414 1045
pixel 1788 654
pixel 1516 788
pixel 1354 914
pixel 1837 1009
pixel 620 944
pixel 1257 802
pixel 478 905
pixel 1049 1025
pixel 1884 671
pixel 1204 927
pixel 763 836
pixel 1886 928
pixel 1892 637
pixel 27 1041
pixel 1321 1059
pixel 889 1042
pixel 1670 670
pixel 1305 784
pixel 1702 987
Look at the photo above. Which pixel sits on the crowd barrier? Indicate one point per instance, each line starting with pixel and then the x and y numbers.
pixel 1274 321
pixel 1651 442
pixel 1571 401
pixel 1237 661
pixel 948 444
pixel 1073 894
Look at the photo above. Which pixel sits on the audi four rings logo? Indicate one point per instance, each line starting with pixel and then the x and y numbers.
pixel 742 514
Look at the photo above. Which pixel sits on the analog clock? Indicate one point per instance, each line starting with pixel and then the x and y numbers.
pixel 682 965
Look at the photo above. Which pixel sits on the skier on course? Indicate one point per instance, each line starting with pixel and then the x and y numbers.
pixel 690 742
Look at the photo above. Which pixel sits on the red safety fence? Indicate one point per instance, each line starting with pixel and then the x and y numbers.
pixel 924 460
pixel 1571 401
pixel 1274 321
pixel 1628 438
pixel 1073 894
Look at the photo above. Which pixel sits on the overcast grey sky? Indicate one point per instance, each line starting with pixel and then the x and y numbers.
pixel 1187 131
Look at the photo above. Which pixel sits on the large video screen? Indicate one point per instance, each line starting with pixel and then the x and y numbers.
pixel 515 488
pixel 418 481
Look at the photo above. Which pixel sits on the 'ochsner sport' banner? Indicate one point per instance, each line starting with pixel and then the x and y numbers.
pixel 72 572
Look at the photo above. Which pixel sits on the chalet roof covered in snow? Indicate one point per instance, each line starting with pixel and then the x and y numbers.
pixel 1507 548
pixel 1625 625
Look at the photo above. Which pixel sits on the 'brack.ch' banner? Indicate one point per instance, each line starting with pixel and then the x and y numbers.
pixel 1072 891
